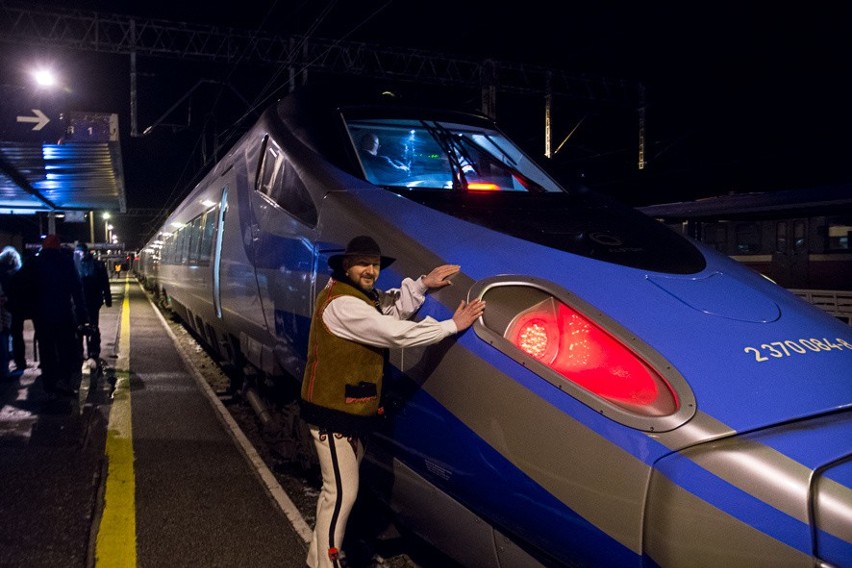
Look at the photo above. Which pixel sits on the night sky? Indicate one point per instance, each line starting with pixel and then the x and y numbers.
pixel 741 96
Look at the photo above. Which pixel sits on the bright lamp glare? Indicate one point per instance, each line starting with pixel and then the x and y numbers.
pixel 44 77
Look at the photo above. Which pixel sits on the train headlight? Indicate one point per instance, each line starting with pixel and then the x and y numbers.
pixel 583 352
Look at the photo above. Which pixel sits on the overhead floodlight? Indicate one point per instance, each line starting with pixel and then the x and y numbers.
pixel 44 77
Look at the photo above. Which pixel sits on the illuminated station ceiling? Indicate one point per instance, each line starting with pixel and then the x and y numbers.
pixel 81 171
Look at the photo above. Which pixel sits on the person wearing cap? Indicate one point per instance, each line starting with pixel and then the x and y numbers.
pixel 58 310
pixel 96 292
pixel 353 326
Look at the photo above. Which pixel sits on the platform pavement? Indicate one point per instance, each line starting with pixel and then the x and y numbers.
pixel 196 498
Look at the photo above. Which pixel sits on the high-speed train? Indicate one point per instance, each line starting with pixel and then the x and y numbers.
pixel 630 397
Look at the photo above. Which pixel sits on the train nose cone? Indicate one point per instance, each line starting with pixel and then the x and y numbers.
pixel 720 295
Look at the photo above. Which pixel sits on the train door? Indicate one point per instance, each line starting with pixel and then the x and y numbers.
pixel 790 257
pixel 217 252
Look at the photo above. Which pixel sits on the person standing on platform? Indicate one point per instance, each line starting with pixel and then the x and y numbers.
pixel 353 326
pixel 58 312
pixel 5 333
pixel 10 265
pixel 96 293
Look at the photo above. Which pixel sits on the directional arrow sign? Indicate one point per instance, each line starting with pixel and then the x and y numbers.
pixel 40 119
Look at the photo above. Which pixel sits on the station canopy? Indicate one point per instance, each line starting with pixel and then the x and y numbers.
pixel 80 169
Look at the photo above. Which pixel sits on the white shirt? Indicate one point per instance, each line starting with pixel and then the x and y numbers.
pixel 353 319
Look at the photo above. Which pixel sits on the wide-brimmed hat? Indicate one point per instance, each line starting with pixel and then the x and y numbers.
pixel 360 246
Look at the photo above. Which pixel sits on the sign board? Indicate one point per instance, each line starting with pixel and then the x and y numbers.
pixel 26 116
pixel 76 216
pixel 90 127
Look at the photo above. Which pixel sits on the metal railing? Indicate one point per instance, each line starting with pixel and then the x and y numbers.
pixel 835 302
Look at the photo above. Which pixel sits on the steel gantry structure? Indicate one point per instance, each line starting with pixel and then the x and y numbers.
pixel 134 36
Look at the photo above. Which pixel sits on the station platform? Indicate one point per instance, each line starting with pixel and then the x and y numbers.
pixel 140 468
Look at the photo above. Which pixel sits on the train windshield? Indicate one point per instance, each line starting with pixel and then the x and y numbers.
pixel 431 154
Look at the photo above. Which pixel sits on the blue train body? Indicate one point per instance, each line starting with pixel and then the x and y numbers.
pixel 630 398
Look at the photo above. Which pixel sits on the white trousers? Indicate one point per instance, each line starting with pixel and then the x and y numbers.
pixel 339 458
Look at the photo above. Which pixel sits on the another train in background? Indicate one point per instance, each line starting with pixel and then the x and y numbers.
pixel 801 239
pixel 629 398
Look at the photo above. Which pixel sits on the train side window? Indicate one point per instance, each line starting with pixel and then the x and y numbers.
pixel 270 164
pixel 180 235
pixel 748 238
pixel 716 236
pixel 781 236
pixel 166 251
pixel 209 228
pixel 194 238
pixel 799 235
pixel 278 180
pixel 839 232
pixel 292 195
pixel 169 250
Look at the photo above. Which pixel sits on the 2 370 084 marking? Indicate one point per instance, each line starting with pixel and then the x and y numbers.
pixel 790 347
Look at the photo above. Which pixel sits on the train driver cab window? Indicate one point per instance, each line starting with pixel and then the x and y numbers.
pixel 747 238
pixel 437 155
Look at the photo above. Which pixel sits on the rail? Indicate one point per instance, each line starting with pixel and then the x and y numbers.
pixel 835 302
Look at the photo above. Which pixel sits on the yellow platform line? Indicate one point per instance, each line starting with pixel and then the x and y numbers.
pixel 116 540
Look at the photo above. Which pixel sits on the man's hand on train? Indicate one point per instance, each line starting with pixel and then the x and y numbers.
pixel 468 312
pixel 440 276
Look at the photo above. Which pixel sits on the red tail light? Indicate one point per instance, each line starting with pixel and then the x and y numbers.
pixel 582 352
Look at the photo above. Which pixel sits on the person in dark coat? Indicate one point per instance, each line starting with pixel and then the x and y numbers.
pixel 96 293
pixel 58 311
pixel 5 332
pixel 10 265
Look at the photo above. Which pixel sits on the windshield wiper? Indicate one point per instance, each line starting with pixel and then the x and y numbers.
pixel 444 138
